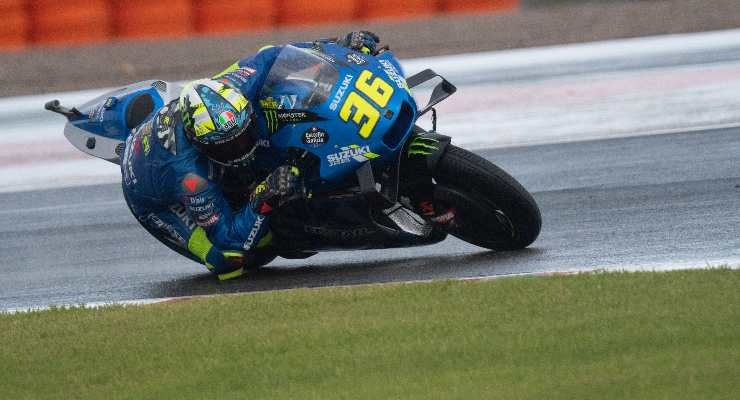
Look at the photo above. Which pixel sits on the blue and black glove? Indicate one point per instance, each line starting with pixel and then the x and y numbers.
pixel 280 187
pixel 362 41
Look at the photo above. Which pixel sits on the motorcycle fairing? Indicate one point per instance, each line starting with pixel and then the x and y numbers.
pixel 361 104
pixel 102 124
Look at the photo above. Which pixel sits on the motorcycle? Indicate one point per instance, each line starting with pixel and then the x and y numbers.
pixel 349 121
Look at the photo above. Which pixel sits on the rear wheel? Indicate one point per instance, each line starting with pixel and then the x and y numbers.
pixel 492 209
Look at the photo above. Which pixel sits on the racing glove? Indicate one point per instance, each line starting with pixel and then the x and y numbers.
pixel 362 41
pixel 280 187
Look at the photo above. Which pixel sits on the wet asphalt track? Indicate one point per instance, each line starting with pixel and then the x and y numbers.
pixel 643 201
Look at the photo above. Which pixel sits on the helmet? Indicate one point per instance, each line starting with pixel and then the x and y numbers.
pixel 216 119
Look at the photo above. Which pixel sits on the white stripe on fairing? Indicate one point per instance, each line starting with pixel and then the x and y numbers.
pixel 490 113
pixel 662 267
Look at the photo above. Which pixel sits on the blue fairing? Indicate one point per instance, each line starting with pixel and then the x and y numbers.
pixel 327 85
pixel 351 108
pixel 106 115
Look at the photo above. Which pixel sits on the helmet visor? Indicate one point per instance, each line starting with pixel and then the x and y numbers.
pixel 234 150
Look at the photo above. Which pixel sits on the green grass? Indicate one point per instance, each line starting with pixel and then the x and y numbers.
pixel 669 335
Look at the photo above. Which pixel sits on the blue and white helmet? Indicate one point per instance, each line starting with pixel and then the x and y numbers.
pixel 216 118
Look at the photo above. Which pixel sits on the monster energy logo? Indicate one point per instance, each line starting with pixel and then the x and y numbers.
pixel 423 146
pixel 272 120
pixel 275 118
pixel 269 107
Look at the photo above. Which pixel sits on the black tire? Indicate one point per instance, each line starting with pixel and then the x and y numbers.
pixel 492 209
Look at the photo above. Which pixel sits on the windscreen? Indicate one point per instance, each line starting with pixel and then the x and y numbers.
pixel 303 78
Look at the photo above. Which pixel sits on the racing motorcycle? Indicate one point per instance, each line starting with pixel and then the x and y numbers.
pixel 374 178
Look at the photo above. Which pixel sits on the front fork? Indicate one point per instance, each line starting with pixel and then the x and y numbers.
pixel 418 165
pixel 415 165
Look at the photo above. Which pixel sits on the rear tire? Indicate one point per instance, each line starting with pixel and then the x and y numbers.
pixel 492 209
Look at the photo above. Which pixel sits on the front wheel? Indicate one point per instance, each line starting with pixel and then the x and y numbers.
pixel 492 209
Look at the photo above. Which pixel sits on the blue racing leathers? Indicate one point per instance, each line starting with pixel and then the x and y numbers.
pixel 173 190
pixel 167 187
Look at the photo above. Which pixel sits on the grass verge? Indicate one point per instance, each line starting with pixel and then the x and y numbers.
pixel 666 335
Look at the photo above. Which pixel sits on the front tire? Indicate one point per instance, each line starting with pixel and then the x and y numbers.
pixel 492 209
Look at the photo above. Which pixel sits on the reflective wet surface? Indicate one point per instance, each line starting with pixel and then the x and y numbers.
pixel 655 201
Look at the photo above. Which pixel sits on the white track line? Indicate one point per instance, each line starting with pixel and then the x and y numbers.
pixel 144 302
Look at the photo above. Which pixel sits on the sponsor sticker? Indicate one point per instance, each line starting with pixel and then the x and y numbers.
pixel 393 74
pixel 349 153
pixel 227 120
pixel 244 72
pixel 167 140
pixel 182 213
pixel 201 206
pixel 275 118
pixel 296 116
pixel 172 234
pixel 129 177
pixel 339 95
pixel 97 114
pixel 324 56
pixel 287 101
pixel 269 108
pixel 165 133
pixel 110 102
pixel 239 76
pixel 269 102
pixel 145 143
pixel 315 137
pixel 253 233
pixel 354 58
pixel 207 220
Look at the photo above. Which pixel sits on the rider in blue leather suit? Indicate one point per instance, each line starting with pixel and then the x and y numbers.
pixel 173 162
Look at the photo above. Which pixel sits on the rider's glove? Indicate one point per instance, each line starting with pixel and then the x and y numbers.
pixel 362 41
pixel 280 187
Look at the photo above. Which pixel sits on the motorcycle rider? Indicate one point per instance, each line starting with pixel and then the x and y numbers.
pixel 172 164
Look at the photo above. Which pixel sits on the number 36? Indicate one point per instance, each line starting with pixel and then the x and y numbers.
pixel 361 111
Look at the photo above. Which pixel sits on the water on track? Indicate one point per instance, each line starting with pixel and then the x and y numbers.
pixel 639 201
